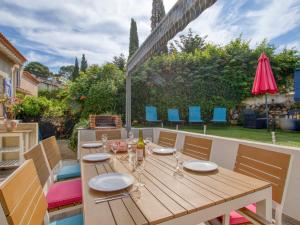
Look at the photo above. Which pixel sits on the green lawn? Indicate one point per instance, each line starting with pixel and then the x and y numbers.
pixel 282 137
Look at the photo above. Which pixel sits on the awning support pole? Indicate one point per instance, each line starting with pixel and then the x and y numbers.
pixel 128 102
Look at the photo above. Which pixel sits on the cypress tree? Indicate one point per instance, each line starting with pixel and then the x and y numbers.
pixel 75 73
pixel 134 39
pixel 158 12
pixel 84 64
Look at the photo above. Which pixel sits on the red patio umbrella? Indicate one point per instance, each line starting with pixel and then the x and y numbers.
pixel 264 82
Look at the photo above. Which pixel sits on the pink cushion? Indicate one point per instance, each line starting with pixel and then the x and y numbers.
pixel 236 218
pixel 64 193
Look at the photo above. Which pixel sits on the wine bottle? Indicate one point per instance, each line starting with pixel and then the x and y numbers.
pixel 140 150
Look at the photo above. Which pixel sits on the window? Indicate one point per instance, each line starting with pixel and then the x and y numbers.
pixel 18 78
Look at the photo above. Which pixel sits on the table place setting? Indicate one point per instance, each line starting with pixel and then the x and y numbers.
pixel 92 145
pixel 163 151
pixel 97 157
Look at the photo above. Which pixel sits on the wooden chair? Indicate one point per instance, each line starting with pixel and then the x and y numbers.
pixel 269 166
pixel 113 134
pixel 53 156
pixel 39 159
pixel 23 201
pixel 66 195
pixel 167 139
pixel 197 147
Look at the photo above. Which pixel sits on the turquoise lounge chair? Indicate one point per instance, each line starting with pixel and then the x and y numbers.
pixel 173 116
pixel 219 115
pixel 151 114
pixel 195 114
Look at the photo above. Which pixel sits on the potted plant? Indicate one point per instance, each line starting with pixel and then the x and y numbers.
pixel 9 103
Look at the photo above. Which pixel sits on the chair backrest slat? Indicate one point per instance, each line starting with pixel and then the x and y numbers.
pixel 52 151
pixel 113 134
pixel 167 139
pixel 22 198
pixel 38 156
pixel 197 147
pixel 266 165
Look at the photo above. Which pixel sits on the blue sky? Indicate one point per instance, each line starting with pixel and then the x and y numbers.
pixel 55 32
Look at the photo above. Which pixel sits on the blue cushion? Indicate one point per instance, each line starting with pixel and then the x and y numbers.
pixel 67 172
pixel 151 114
pixel 173 115
pixel 73 220
pixel 219 115
pixel 195 114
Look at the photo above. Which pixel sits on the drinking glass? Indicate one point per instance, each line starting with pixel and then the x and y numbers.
pixel 130 136
pixel 139 168
pixel 114 148
pixel 104 141
pixel 178 171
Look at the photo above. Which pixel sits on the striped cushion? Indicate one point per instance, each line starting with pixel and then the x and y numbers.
pixel 67 172
pixel 64 193
pixel 73 220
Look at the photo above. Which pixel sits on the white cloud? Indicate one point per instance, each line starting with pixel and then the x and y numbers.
pixel 276 18
pixel 100 29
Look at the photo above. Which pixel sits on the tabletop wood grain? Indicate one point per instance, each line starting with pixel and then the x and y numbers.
pixel 164 196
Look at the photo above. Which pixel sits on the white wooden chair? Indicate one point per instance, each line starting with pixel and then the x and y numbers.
pixel 53 155
pixel 63 196
pixel 167 139
pixel 199 148
pixel 23 200
pixel 270 166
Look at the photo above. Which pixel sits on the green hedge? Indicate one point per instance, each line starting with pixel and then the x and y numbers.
pixel 210 77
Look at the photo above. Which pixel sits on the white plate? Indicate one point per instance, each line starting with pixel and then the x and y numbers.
pixel 96 157
pixel 200 165
pixel 111 182
pixel 92 145
pixel 164 151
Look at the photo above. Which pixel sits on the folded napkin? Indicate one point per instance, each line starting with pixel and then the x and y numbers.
pixel 121 145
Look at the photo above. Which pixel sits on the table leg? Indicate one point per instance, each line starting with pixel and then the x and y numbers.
pixel 264 207
pixel 21 157
pixel 226 219
pixel 26 142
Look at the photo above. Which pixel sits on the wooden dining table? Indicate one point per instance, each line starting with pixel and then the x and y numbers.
pixel 167 199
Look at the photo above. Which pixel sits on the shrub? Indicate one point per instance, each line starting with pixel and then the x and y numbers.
pixel 73 141
pixel 32 107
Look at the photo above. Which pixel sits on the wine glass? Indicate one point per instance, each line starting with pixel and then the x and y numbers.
pixel 138 168
pixel 114 148
pixel 148 145
pixel 104 141
pixel 130 136
pixel 178 154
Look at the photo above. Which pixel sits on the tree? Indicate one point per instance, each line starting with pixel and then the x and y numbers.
pixel 158 12
pixel 119 61
pixel 190 42
pixel 75 73
pixel 66 71
pixel 134 39
pixel 84 64
pixel 38 69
